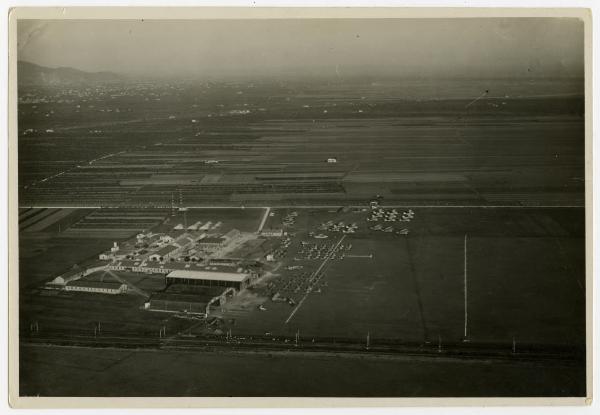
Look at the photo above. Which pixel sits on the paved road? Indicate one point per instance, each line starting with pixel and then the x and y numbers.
pixel 264 219
pixel 292 206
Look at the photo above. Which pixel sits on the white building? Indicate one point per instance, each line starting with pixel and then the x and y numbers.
pixel 97 287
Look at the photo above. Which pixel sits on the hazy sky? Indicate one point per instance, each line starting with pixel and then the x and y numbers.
pixel 397 47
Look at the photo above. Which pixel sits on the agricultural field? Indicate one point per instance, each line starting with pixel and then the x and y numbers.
pixel 269 146
pixel 118 223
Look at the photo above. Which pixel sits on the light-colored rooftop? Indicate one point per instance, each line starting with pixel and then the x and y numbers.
pixel 208 275
pixel 96 284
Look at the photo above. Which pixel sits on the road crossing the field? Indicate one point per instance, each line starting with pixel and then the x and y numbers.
pixel 264 219
pixel 292 206
pixel 130 286
pixel 327 258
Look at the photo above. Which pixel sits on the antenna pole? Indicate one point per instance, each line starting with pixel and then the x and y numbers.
pixel 466 291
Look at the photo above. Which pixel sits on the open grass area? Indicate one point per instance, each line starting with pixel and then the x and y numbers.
pixel 56 371
pixel 526 279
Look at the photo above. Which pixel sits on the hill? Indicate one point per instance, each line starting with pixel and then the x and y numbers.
pixel 31 74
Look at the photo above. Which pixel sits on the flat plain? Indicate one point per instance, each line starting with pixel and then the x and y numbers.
pixel 497 188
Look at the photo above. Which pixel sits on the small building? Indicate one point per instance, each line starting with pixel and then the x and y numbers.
pixel 152 269
pixel 71 275
pixel 183 241
pixel 125 265
pixel 126 252
pixel 236 280
pixel 164 253
pixel 332 160
pixel 275 233
pixel 195 226
pixel 166 239
pixel 227 262
pixel 152 239
pixel 100 287
pixel 212 243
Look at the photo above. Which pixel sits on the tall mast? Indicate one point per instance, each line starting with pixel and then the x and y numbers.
pixel 466 291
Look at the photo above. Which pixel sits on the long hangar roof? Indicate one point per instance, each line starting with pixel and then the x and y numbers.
pixel 208 275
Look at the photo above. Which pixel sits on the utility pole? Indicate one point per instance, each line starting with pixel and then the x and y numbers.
pixel 514 345
pixel 297 337
pixel 439 343
pixel 466 339
pixel 368 340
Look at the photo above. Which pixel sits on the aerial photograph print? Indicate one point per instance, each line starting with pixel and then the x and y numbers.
pixel 310 207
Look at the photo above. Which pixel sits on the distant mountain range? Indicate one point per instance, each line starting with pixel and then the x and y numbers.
pixel 31 74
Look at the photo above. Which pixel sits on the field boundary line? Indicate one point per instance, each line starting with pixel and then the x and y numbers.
pixel 292 206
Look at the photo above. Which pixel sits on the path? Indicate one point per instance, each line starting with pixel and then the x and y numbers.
pixel 130 286
pixel 264 219
pixel 313 275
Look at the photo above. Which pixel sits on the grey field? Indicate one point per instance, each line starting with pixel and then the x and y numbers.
pixel 314 200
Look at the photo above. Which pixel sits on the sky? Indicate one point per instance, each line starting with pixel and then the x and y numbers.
pixel 438 48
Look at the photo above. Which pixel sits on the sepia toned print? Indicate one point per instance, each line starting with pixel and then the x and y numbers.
pixel 333 207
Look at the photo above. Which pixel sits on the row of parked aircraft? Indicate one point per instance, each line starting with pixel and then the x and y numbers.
pixel 389 229
pixel 391 215
pixel 338 227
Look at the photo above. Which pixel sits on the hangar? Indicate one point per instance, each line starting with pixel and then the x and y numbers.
pixel 196 300
pixel 237 280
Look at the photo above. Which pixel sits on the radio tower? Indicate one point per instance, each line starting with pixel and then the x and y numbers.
pixel 465 291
